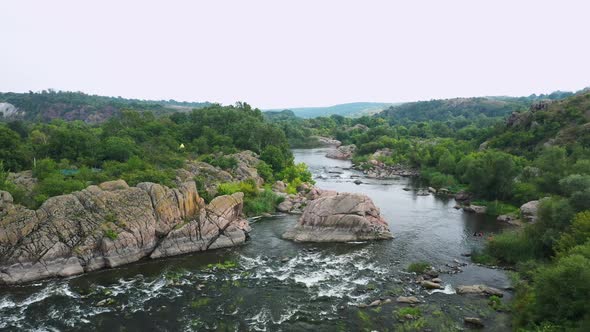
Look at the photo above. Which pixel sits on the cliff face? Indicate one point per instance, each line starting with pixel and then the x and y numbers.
pixel 110 225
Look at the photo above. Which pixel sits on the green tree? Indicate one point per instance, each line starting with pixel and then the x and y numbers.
pixel 491 174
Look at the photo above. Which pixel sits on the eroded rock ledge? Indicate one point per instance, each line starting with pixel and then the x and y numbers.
pixel 340 217
pixel 110 225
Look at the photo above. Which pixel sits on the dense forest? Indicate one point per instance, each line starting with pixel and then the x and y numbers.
pixel 49 104
pixel 504 155
pixel 504 152
pixel 139 146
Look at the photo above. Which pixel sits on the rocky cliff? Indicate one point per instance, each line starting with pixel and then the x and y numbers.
pixel 110 225
pixel 340 217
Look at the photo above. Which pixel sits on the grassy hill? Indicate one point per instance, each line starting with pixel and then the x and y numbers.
pixel 48 105
pixel 349 110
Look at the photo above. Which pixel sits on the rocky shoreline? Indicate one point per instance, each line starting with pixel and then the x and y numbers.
pixel 111 225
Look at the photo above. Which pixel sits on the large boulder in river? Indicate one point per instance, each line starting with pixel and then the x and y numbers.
pixel 111 225
pixel 344 152
pixel 340 218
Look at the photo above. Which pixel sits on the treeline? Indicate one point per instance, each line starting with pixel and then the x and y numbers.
pixel 463 108
pixel 135 146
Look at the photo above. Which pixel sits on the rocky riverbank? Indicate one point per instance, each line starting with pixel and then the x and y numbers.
pixel 111 225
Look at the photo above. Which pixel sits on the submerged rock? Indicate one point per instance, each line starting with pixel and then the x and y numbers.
pixel 477 209
pixel 430 285
pixel 341 217
pixel 479 290
pixel 103 228
pixel 473 321
pixel 407 299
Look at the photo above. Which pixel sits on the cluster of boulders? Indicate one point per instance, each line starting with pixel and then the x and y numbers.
pixel 294 203
pixel 375 168
pixel 110 225
pixel 431 190
pixel 344 152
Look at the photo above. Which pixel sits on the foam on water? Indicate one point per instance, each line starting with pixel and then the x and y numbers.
pixel 447 290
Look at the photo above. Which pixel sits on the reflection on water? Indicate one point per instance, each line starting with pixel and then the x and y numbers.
pixel 277 284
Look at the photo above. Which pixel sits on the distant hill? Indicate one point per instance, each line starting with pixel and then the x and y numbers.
pixel 564 122
pixel 467 108
pixel 48 105
pixel 349 110
pixel 275 116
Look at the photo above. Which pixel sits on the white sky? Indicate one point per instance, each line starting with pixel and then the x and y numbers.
pixel 275 54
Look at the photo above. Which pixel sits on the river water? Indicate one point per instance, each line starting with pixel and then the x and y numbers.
pixel 270 284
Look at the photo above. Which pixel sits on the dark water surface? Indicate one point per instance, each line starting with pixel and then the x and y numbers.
pixel 270 284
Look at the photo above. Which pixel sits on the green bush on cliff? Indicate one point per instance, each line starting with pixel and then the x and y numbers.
pixel 256 202
pixel 264 202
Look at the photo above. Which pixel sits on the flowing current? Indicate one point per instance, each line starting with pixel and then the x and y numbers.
pixel 270 284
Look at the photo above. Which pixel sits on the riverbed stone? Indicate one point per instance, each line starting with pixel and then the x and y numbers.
pixel 473 321
pixel 407 299
pixel 479 290
pixel 430 285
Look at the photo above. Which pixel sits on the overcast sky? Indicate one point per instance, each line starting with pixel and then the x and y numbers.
pixel 275 54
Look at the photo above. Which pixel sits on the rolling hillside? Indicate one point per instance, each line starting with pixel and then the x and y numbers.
pixel 349 110
pixel 48 105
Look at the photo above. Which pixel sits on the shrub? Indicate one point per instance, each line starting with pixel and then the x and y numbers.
pixel 482 257
pixel 418 267
pixel 264 202
pixel 578 234
pixel 111 234
pixel 437 179
pixel 525 192
pixel 265 171
pixel 298 171
pixel 248 187
pixel 496 208
pixel 561 290
pixel 223 162
pixel 413 311
pixel 228 188
pixel 512 247
pixel 56 184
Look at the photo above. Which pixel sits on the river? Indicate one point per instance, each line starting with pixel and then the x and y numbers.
pixel 270 284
